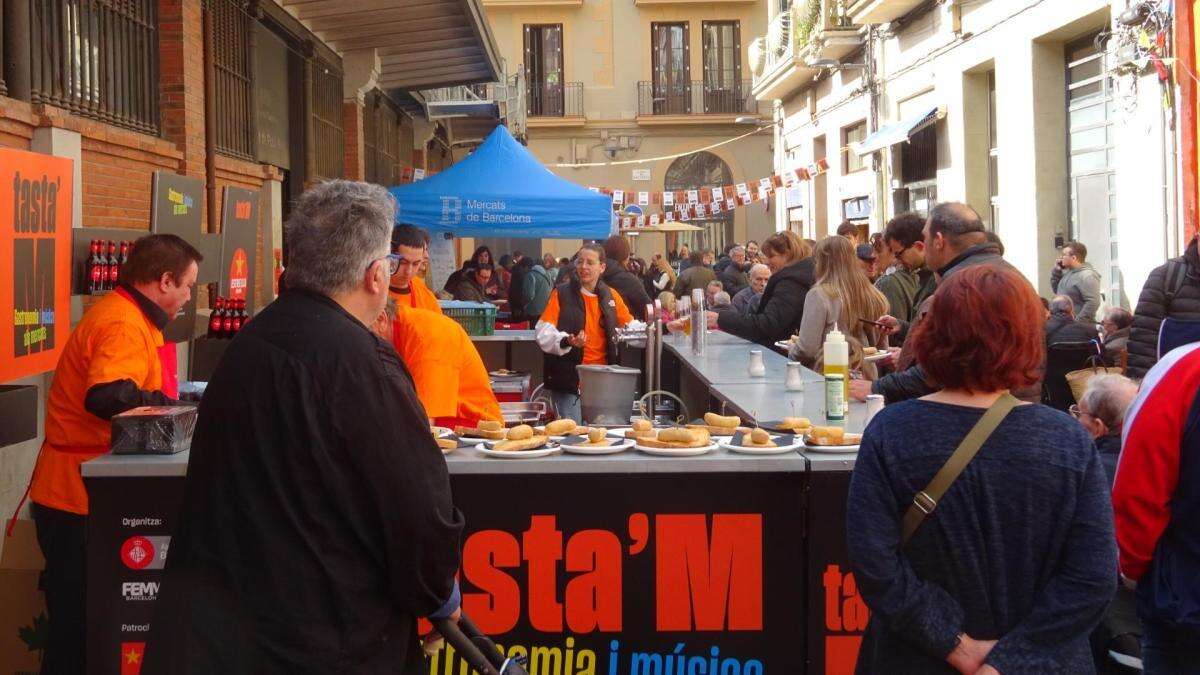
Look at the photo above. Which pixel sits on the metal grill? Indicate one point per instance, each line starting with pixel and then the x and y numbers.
pixel 381 139
pixel 327 138
pixel 695 98
pixel 97 58
pixel 232 27
pixel 554 100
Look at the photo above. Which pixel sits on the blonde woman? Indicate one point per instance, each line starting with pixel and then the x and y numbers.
pixel 662 275
pixel 669 306
pixel 841 298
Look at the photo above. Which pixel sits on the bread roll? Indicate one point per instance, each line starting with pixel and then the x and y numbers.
pixel 520 432
pixel 795 423
pixel 676 435
pixel 596 435
pixel 760 437
pixel 828 435
pixel 641 425
pixel 490 425
pixel 715 420
pixel 561 427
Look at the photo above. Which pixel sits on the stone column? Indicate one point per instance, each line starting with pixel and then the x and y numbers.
pixel 360 75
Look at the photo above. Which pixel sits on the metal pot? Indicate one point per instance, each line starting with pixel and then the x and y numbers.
pixel 606 393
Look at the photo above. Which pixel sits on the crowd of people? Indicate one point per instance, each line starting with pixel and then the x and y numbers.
pixel 987 533
pixel 964 336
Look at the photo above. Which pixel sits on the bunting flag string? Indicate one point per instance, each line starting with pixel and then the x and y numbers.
pixel 685 205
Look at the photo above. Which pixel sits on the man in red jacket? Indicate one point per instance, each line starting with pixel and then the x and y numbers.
pixel 1156 501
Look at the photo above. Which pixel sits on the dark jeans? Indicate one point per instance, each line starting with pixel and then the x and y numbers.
pixel 1169 650
pixel 61 536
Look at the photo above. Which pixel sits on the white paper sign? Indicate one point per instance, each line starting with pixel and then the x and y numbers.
pixel 764 185
pixel 641 174
pixel 693 196
pixel 644 198
pixel 655 219
pixel 668 198
pixel 715 194
pixel 618 196
pixel 418 174
pixel 730 204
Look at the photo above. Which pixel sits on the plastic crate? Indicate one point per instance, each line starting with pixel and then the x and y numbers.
pixel 477 318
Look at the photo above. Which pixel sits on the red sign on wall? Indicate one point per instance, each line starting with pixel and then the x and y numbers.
pixel 35 261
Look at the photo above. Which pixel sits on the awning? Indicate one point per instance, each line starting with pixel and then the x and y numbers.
pixel 896 132
pixel 434 43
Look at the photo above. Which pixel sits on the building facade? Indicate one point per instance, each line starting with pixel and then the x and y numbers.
pixel 614 81
pixel 1052 119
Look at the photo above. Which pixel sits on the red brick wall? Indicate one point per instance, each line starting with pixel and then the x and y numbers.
pixel 352 123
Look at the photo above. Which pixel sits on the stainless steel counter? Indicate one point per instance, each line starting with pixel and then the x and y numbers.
pixel 506 336
pixel 142 466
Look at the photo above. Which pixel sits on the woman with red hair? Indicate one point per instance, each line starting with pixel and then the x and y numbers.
pixel 1012 566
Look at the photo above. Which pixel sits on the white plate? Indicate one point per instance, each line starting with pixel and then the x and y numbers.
pixel 785 345
pixel 677 452
pixel 833 449
pixel 780 450
pixel 476 439
pixel 878 356
pixel 613 449
pixel 518 454
pixel 441 432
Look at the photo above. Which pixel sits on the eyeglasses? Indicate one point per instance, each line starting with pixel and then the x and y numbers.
pixel 1077 413
pixel 393 263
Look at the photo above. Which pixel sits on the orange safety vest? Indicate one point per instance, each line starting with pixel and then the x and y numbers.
pixel 448 373
pixel 418 297
pixel 114 341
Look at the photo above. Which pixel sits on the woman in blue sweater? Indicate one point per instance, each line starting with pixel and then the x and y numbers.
pixel 1015 565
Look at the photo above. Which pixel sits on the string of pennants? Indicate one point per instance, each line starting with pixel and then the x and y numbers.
pixel 683 205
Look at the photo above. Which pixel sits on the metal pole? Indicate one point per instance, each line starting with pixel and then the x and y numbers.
pixel 210 120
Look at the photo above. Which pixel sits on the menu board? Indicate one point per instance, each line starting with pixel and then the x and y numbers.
pixel 239 239
pixel 35 260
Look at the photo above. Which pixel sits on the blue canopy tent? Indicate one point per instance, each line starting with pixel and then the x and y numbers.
pixel 502 190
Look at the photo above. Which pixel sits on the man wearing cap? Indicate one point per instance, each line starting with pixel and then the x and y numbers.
pixel 866 261
pixel 411 245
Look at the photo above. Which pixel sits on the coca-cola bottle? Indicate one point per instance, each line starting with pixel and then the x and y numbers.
pixel 96 271
pixel 227 319
pixel 114 265
pixel 124 257
pixel 239 315
pixel 214 321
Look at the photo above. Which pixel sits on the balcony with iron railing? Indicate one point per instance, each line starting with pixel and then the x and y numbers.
pixel 805 33
pixel 863 12
pixel 693 102
pixel 554 104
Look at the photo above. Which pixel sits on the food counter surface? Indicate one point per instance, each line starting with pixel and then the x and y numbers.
pixel 506 336
pixel 722 369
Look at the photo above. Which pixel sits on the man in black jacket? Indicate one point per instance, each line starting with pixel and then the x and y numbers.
pixel 316 523
pixel 632 290
pixel 736 274
pixel 1172 290
pixel 955 239
pixel 1063 327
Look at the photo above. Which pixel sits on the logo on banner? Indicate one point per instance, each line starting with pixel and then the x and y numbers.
pixel 180 203
pixel 145 553
pixel 845 620
pixel 34 224
pixel 241 210
pixel 139 591
pixel 239 270
pixel 131 657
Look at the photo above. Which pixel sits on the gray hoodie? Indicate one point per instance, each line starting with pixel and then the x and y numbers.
pixel 1082 285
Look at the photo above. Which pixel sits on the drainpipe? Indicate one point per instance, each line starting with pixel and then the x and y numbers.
pixel 869 79
pixel 210 121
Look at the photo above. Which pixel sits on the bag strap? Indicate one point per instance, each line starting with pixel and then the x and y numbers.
pixel 925 501
pixel 1176 274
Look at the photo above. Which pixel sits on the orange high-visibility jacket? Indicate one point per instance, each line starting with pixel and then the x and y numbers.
pixel 114 341
pixel 447 370
pixel 418 297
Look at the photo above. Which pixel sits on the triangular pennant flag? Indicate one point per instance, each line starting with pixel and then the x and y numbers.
pixel 777 181
pixel 802 173
pixel 822 165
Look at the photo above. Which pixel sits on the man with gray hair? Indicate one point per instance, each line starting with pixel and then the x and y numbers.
pixel 317 523
pixel 746 300
pixel 1062 327
pixel 734 277
pixel 1101 410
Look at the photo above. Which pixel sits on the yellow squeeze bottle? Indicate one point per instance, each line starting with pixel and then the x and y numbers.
pixel 837 362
